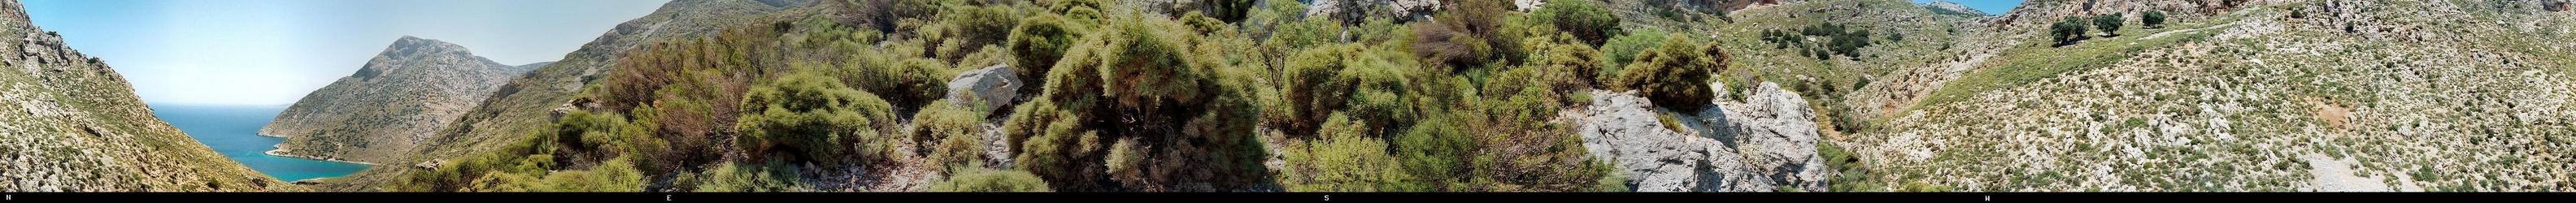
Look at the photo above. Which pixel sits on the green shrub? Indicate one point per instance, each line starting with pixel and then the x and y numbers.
pixel 616 175
pixel 991 180
pixel 2109 23
pixel 909 82
pixel 773 176
pixel 2069 31
pixel 1436 151
pixel 981 25
pixel 1469 34
pixel 809 117
pixel 1675 75
pixel 1038 42
pixel 2152 19
pixel 950 133
pixel 1519 145
pixel 1136 78
pixel 1343 159
pixel 1620 51
pixel 1563 64
pixel 1586 19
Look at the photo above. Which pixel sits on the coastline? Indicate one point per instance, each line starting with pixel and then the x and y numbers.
pixel 280 151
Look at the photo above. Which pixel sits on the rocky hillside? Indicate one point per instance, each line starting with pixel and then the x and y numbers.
pixel 385 110
pixel 2248 96
pixel 1953 8
pixel 1562 95
pixel 524 103
pixel 70 123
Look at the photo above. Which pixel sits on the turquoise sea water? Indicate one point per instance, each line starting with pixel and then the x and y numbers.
pixel 233 131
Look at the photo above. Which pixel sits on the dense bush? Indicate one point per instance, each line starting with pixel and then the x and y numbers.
pixel 1675 75
pixel 1624 49
pixel 2152 19
pixel 883 15
pixel 1563 64
pixel 1586 19
pixel 809 118
pixel 1519 145
pixel 991 180
pixel 950 133
pixel 1470 34
pixel 1344 158
pixel 1038 42
pixel 1137 78
pixel 773 176
pixel 907 82
pixel 2109 23
pixel 2069 31
pixel 981 25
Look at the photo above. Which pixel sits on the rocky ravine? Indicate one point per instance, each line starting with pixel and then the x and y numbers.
pixel 383 111
pixel 68 122
pixel 1766 143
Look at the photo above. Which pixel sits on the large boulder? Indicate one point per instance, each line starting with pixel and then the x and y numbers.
pixel 1622 128
pixel 995 87
pixel 1776 132
pixel 1762 144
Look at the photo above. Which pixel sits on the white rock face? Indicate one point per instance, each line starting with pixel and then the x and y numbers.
pixel 1760 145
pixel 1775 130
pixel 993 86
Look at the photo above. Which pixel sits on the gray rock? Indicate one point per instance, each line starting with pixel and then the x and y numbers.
pixel 995 87
pixel 1765 143
pixel 1776 132
pixel 1622 128
pixel 1361 9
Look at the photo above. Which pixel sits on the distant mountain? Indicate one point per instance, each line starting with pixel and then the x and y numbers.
pixel 1953 8
pixel 398 99
pixel 68 122
pixel 523 103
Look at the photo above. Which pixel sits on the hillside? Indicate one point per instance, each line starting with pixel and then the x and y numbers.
pixel 1565 95
pixel 2261 96
pixel 388 107
pixel 523 103
pixel 73 124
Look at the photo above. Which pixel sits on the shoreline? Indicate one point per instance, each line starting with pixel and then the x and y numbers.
pixel 280 148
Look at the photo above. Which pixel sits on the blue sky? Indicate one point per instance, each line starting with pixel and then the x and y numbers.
pixel 272 52
pixel 1989 6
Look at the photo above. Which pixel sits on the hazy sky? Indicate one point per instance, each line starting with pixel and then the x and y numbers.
pixel 1997 7
pixel 272 52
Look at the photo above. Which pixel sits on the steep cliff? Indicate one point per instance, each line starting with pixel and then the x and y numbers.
pixel 68 122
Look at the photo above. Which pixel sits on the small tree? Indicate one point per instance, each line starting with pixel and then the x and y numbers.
pixel 2110 24
pixel 2068 31
pixel 2152 19
pixel 1675 75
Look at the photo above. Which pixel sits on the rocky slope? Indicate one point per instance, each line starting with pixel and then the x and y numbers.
pixel 1952 8
pixel 519 106
pixel 2260 96
pixel 68 122
pixel 379 114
